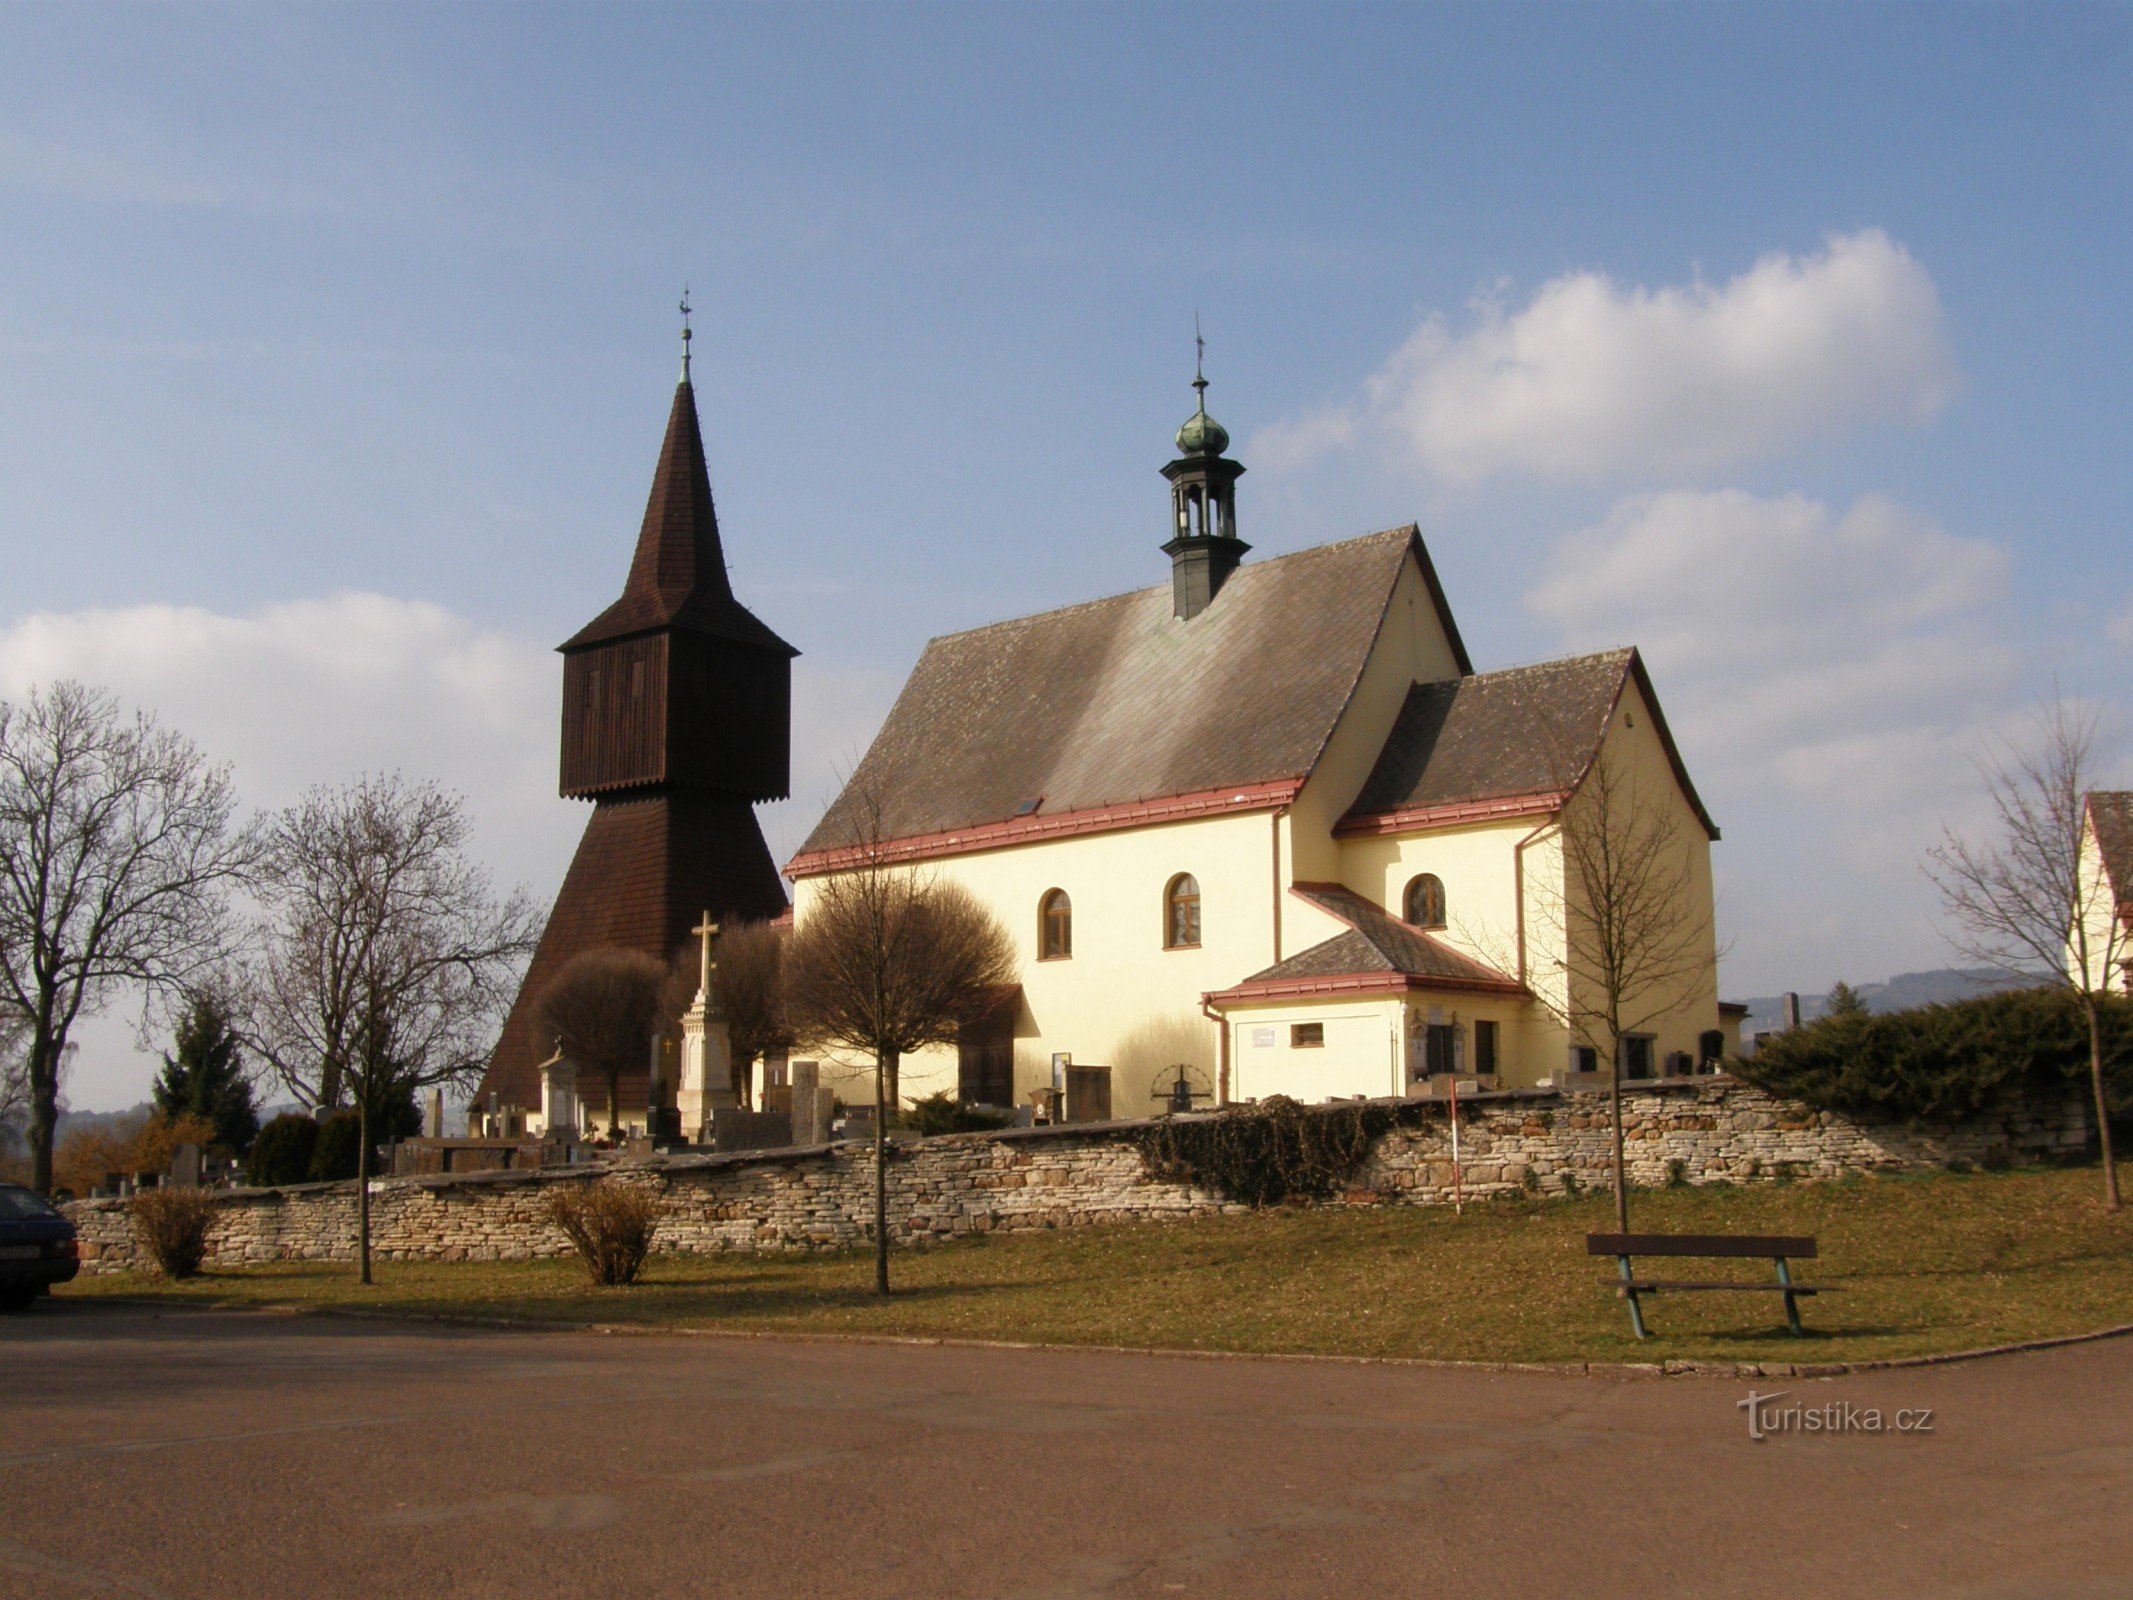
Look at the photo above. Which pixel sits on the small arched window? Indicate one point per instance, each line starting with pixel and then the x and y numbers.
pixel 1181 913
pixel 1055 926
pixel 1424 902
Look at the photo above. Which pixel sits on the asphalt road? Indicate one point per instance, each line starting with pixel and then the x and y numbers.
pixel 199 1454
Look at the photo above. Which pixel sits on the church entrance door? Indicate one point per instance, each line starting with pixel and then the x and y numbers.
pixel 985 1053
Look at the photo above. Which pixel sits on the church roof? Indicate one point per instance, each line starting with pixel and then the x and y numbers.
pixel 2111 812
pixel 1503 742
pixel 1377 950
pixel 1117 710
pixel 678 576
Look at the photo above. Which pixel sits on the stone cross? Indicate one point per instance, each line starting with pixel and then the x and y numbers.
pixel 706 931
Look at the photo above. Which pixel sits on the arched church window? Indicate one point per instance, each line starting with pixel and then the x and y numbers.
pixel 1181 913
pixel 1055 926
pixel 1423 905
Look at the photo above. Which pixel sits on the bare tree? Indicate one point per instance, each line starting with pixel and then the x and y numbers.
pixel 117 852
pixel 1633 949
pixel 749 985
pixel 602 1008
pixel 2036 901
pixel 385 961
pixel 887 960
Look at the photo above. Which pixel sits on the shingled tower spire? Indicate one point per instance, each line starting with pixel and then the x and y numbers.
pixel 677 706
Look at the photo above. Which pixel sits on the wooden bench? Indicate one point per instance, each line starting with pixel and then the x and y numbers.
pixel 1624 1247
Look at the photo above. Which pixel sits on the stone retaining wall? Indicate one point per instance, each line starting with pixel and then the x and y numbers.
pixel 1719 1130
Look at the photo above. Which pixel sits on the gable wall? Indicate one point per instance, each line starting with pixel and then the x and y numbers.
pixel 2104 953
pixel 1411 648
pixel 1632 743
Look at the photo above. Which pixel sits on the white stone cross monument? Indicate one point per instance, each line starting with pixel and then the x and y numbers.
pixel 706 1055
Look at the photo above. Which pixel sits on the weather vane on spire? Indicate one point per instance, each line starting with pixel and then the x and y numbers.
pixel 1199 360
pixel 686 335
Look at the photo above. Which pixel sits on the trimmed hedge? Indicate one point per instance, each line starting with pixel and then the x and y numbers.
pixel 1945 1062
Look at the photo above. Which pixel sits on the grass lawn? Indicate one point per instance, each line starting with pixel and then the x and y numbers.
pixel 1928 1264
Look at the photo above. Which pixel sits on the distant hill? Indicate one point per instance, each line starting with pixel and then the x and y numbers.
pixel 1904 992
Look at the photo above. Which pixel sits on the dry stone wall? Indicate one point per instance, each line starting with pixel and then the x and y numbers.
pixel 1718 1130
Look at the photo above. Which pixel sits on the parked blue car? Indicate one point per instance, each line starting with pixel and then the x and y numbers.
pixel 37 1247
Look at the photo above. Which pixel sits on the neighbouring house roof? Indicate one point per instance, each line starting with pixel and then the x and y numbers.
pixel 678 575
pixel 2111 815
pixel 1502 744
pixel 1378 951
pixel 1116 712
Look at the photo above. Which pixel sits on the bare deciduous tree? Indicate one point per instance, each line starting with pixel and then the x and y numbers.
pixel 888 960
pixel 2036 901
pixel 602 1009
pixel 385 960
pixel 1633 949
pixel 117 851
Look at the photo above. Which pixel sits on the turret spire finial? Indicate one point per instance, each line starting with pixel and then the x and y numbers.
pixel 1199 361
pixel 686 335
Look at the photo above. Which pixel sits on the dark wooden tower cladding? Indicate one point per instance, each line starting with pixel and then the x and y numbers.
pixel 677 716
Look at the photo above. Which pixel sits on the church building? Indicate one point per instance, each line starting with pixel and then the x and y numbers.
pixel 1264 828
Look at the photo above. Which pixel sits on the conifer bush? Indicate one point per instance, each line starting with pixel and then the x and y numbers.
pixel 172 1226
pixel 282 1152
pixel 1944 1063
pixel 610 1224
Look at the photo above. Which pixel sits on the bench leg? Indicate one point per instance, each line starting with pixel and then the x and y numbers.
pixel 1636 1312
pixel 1792 1304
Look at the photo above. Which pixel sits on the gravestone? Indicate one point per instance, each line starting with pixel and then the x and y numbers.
pixel 809 1126
pixel 185 1167
pixel 433 1119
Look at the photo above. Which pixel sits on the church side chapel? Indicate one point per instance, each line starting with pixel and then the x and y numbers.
pixel 1263 829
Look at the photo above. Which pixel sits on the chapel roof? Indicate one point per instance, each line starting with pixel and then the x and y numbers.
pixel 1118 702
pixel 2111 811
pixel 1522 733
pixel 677 576
pixel 1376 945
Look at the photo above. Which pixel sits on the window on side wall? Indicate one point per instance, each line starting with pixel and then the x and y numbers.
pixel 1485 1048
pixel 1637 1056
pixel 1181 913
pixel 1583 1058
pixel 1055 926
pixel 1423 904
pixel 1307 1035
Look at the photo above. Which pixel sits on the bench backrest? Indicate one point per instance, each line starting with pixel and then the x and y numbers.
pixel 1696 1244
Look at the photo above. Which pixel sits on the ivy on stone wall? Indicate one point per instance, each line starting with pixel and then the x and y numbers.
pixel 1269 1151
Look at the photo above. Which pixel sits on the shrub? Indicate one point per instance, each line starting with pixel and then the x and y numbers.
pixel 282 1152
pixel 939 1113
pixel 1268 1152
pixel 340 1140
pixel 610 1224
pixel 1677 1174
pixel 1945 1062
pixel 172 1226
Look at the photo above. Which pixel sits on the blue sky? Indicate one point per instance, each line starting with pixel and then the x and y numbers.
pixel 1790 342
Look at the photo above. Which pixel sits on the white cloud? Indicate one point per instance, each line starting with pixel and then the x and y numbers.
pixel 1809 645
pixel 1594 380
pixel 316 691
pixel 1831 678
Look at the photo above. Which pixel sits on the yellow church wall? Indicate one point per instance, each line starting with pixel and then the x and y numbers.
pixel 1360 1053
pixel 1121 1000
pixel 1411 649
pixel 2101 952
pixel 1639 759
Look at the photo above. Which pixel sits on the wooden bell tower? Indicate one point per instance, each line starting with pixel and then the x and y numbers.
pixel 677 716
